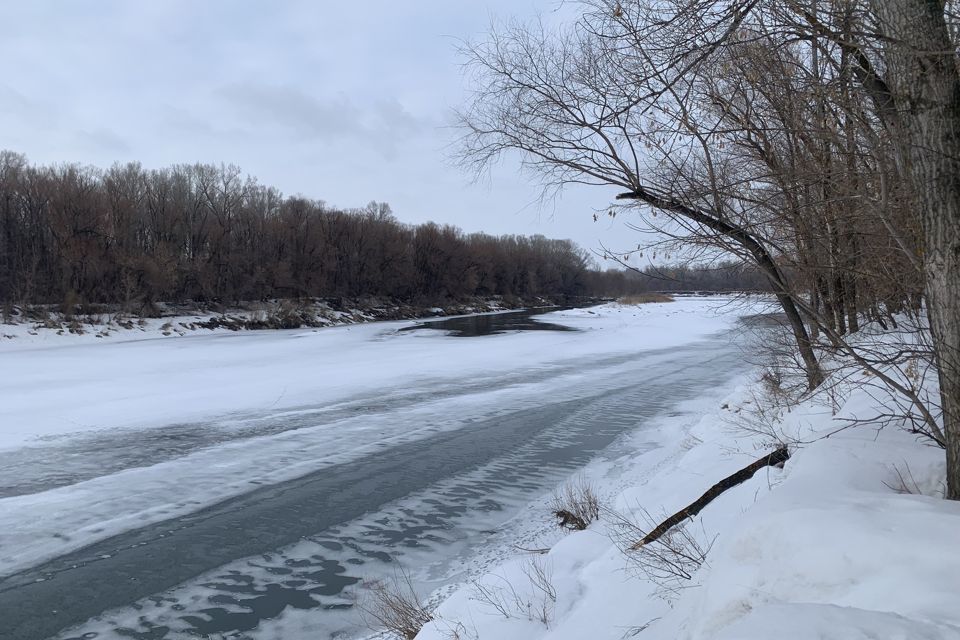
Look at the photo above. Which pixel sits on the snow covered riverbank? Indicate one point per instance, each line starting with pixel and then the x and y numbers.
pixel 850 540
pixel 49 325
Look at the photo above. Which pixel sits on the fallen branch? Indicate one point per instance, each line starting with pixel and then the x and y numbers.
pixel 779 456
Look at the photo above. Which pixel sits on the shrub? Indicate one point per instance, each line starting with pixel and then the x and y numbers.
pixel 536 602
pixel 576 505
pixel 394 606
pixel 671 561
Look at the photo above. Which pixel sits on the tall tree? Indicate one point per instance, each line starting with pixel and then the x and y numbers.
pixel 608 102
pixel 923 78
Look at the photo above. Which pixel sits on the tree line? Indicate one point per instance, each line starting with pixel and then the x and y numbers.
pixel 134 236
pixel 818 141
pixel 724 276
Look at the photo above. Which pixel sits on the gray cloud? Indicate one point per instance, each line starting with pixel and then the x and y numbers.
pixel 16 105
pixel 290 108
pixel 331 100
pixel 105 141
pixel 378 125
pixel 382 124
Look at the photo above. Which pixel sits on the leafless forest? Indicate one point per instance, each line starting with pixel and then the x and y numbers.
pixel 74 235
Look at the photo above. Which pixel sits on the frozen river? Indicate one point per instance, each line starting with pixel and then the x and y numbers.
pixel 268 521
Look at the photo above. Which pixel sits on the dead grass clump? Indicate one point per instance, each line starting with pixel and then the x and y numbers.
pixel 644 298
pixel 576 505
pixel 394 606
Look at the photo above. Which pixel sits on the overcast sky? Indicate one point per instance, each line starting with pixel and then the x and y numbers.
pixel 342 101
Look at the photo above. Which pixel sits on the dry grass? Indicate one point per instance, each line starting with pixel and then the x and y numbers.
pixel 394 607
pixel 671 561
pixel 645 298
pixel 535 603
pixel 576 505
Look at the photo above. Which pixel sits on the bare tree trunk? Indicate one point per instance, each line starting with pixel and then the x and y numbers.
pixel 781 288
pixel 804 343
pixel 926 87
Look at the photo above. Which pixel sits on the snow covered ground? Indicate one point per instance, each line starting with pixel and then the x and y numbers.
pixel 850 540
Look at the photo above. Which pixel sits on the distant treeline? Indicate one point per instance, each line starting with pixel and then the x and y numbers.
pixel 206 233
pixel 722 276
pixel 73 234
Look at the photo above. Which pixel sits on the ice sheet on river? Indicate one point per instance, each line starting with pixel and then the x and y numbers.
pixel 256 409
pixel 85 425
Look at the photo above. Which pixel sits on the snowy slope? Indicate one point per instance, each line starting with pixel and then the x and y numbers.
pixel 831 546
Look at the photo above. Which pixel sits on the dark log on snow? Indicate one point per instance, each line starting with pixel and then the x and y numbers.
pixel 777 457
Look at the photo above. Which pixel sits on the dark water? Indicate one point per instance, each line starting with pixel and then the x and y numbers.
pixel 489 324
pixel 228 569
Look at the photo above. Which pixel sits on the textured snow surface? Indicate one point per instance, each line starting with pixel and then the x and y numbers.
pixel 65 385
pixel 825 548
pixel 130 432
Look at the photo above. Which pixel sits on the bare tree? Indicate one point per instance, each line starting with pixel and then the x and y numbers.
pixel 779 131
pixel 607 103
